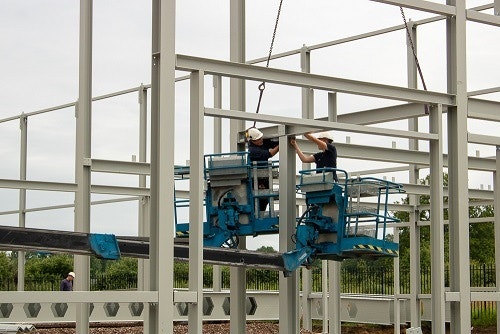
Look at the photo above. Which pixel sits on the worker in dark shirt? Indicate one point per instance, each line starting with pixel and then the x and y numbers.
pixel 261 151
pixel 326 157
pixel 67 283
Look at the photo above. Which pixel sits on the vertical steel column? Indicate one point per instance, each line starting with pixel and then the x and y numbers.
pixel 237 54
pixel 437 220
pixel 237 102
pixel 82 158
pixel 458 169
pixel 143 266
pixel 162 164
pixel 496 203
pixel 334 267
pixel 414 200
pixel 288 286
pixel 307 93
pixel 335 283
pixel 397 291
pixel 151 322
pixel 166 144
pixel 196 149
pixel 308 113
pixel 496 7
pixel 217 84
pixel 23 125
pixel 324 294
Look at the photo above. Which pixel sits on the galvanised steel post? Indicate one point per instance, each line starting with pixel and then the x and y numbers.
pixel 143 269
pixel 460 315
pixel 217 85
pixel 413 179
pixel 161 249
pixel 237 102
pixel 23 124
pixel 307 112
pixel 82 158
pixel 334 267
pixel 196 149
pixel 496 188
pixel 437 220
pixel 288 286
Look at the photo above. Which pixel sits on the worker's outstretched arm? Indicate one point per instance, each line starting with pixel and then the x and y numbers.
pixel 321 144
pixel 302 156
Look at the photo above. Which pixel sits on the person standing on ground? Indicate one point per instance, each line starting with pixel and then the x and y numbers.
pixel 326 157
pixel 67 283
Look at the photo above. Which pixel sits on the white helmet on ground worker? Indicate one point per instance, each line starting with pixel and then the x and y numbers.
pixel 326 135
pixel 254 134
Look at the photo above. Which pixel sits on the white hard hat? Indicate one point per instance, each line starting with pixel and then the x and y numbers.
pixel 254 134
pixel 72 274
pixel 325 134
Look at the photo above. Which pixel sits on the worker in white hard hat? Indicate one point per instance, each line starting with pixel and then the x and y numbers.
pixel 257 148
pixel 67 283
pixel 261 151
pixel 326 157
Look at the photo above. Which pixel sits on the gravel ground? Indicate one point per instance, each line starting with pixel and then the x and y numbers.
pixel 223 328
pixel 215 328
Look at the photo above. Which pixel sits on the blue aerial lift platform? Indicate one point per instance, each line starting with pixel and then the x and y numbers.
pixel 232 198
pixel 335 224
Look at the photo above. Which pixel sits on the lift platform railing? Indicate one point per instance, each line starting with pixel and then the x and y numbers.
pixel 364 220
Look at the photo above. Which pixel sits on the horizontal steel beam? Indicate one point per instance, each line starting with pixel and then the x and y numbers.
pixel 420 189
pixel 301 123
pixel 479 17
pixel 38 185
pixel 307 80
pixel 120 190
pixel 483 109
pixel 483 139
pixel 382 115
pixel 72 205
pixel 426 6
pixel 484 91
pixel 122 167
pixel 79 297
pixel 404 156
pixel 71 187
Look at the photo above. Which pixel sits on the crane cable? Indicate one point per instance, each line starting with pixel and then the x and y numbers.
pixel 414 56
pixel 262 86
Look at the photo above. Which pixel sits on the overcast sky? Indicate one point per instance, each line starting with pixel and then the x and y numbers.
pixel 39 69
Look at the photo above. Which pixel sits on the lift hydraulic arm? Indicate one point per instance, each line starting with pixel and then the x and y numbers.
pixel 109 246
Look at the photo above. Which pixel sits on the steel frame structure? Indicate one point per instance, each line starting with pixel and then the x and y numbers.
pixel 156 203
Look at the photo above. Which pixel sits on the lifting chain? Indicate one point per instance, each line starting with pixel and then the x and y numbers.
pixel 262 85
pixel 414 55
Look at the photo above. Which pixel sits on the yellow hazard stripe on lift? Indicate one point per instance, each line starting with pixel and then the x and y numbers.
pixel 378 249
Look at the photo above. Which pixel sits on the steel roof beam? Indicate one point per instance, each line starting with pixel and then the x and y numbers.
pixel 307 80
pixel 475 16
pixel 426 6
pixel 483 109
pixel 300 125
